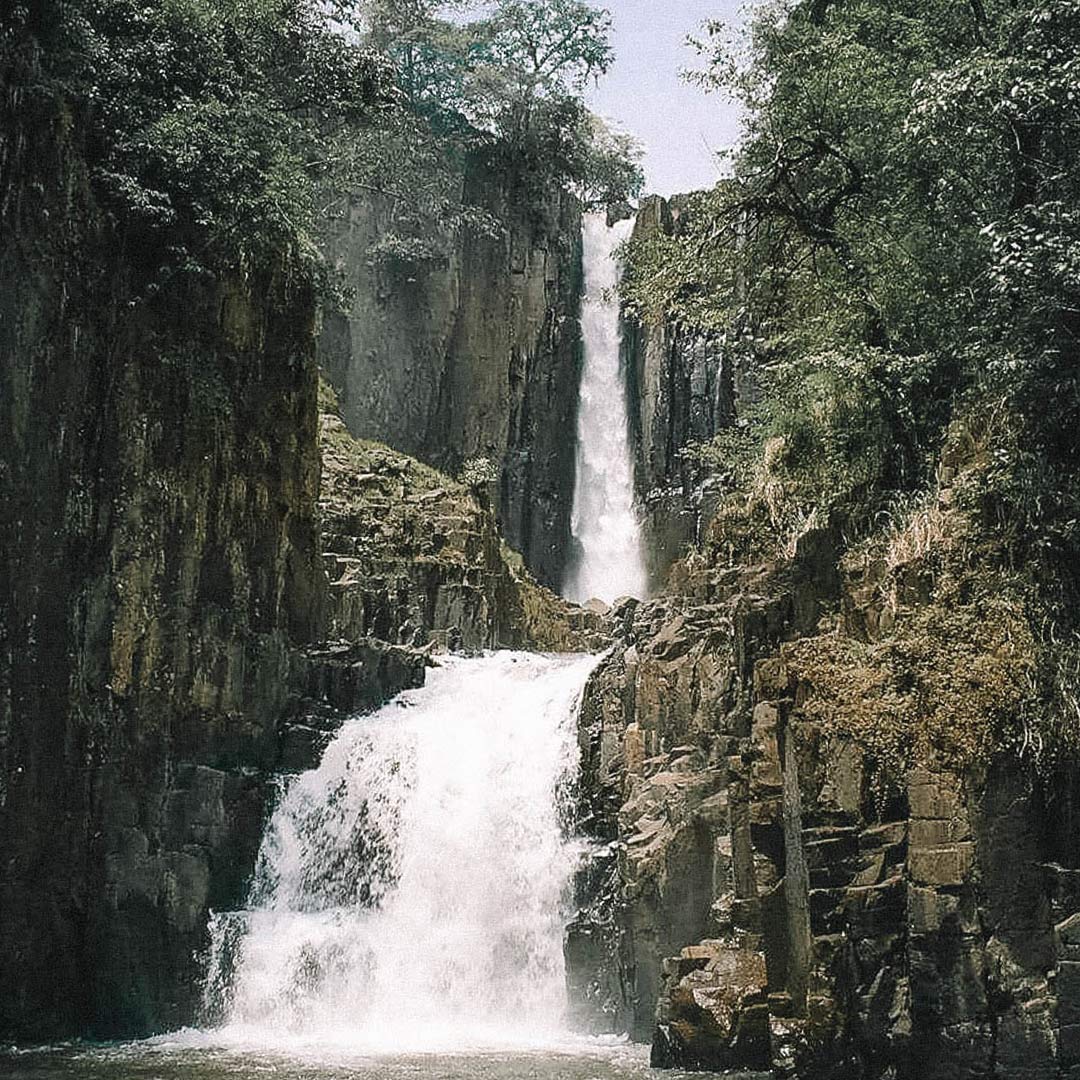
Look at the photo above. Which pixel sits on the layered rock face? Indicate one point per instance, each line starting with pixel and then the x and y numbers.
pixel 773 895
pixel 415 558
pixel 170 637
pixel 159 565
pixel 473 352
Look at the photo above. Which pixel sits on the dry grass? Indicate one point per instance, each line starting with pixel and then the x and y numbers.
pixel 925 530
pixel 805 521
pixel 954 682
pixel 1055 732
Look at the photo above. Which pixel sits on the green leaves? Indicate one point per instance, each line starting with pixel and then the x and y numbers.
pixel 222 131
pixel 502 82
pixel 553 44
pixel 210 122
pixel 899 244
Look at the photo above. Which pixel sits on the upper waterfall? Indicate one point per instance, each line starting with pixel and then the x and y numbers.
pixel 410 892
pixel 610 557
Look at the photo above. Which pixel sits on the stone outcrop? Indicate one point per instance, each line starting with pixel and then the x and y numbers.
pixel 470 351
pixel 713 1009
pixel 415 558
pixel 784 888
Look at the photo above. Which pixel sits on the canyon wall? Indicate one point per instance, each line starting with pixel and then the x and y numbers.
pixel 684 386
pixel 171 639
pixel 159 566
pixel 470 351
pixel 831 851
pixel 474 351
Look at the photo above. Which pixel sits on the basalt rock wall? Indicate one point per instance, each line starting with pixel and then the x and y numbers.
pixel 684 387
pixel 169 636
pixel 470 352
pixel 158 571
pixel 772 898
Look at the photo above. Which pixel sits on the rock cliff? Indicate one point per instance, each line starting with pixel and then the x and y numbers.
pixel 830 848
pixel 415 557
pixel 170 637
pixel 471 350
pixel 684 386
pixel 159 567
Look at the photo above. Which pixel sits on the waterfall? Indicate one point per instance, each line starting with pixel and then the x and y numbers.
pixel 410 892
pixel 610 559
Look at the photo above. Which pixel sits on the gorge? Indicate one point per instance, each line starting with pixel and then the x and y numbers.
pixel 461 615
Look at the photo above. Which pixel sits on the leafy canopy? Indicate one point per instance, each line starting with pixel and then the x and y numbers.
pixel 503 82
pixel 209 120
pixel 221 131
pixel 908 183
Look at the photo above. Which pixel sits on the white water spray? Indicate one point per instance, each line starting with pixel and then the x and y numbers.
pixel 604 522
pixel 410 892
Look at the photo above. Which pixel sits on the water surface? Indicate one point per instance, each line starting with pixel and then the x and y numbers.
pixel 193 1057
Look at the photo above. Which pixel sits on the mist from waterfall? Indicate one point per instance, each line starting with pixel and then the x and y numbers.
pixel 609 548
pixel 411 891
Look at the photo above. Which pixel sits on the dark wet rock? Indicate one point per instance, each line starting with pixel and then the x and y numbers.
pixel 684 387
pixel 713 1013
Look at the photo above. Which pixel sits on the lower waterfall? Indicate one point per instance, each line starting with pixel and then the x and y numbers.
pixel 411 891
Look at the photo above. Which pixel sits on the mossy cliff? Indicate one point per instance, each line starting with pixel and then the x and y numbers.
pixel 835 769
pixel 170 636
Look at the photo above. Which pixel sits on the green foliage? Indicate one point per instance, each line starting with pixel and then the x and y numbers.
pixel 896 254
pixel 831 434
pixel 908 183
pixel 209 122
pixel 552 44
pixel 843 419
pixel 222 132
pixel 503 82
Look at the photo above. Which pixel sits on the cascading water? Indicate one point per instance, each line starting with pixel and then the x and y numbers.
pixel 410 892
pixel 610 551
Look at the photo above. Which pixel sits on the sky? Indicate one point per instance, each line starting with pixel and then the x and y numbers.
pixel 680 125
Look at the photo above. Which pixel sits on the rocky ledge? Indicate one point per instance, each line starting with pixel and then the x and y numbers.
pixel 415 558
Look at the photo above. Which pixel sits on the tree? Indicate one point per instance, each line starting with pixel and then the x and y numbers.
pixel 210 124
pixel 432 46
pixel 906 195
pixel 552 45
pixel 503 82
